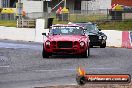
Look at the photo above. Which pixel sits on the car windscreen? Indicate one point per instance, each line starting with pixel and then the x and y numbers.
pixel 66 31
pixel 91 28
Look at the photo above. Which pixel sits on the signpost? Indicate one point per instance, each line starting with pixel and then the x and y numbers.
pixel 19 7
pixel 65 3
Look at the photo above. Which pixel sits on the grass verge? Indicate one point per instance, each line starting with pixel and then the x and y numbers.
pixel 8 23
pixel 110 25
pixel 117 25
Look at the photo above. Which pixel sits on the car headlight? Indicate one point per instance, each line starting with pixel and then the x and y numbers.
pixel 47 43
pixel 82 44
pixel 100 37
pixel 104 37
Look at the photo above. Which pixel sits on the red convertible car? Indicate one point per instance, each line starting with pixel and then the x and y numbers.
pixel 66 39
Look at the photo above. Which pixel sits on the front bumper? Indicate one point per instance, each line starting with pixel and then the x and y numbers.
pixel 97 42
pixel 66 51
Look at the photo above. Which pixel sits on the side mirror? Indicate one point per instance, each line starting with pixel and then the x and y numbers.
pixel 44 34
pixel 99 29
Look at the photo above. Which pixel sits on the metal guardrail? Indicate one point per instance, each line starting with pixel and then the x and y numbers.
pixel 26 23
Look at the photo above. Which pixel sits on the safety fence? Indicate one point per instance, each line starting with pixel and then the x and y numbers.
pixel 11 16
pixel 88 15
pixel 99 15
pixel 75 15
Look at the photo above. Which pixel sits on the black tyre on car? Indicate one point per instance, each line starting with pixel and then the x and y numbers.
pixel 86 53
pixel 45 54
pixel 103 45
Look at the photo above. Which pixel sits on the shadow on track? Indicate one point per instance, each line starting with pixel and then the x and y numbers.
pixel 66 57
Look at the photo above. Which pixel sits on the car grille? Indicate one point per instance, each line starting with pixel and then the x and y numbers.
pixel 64 44
pixel 93 38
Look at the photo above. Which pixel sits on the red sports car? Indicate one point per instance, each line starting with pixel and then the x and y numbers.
pixel 66 39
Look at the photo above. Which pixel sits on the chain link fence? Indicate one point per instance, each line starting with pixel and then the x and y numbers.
pixel 74 16
pixel 88 15
pixel 13 16
pixel 8 16
pixel 95 15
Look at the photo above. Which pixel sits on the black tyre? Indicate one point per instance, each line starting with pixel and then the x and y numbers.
pixel 81 80
pixel 103 45
pixel 86 53
pixel 45 54
pixel 91 46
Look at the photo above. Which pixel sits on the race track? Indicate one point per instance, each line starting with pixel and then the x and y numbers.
pixel 22 66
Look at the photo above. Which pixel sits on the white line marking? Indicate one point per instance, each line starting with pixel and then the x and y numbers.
pixel 6 66
pixel 103 68
pixel 55 70
pixel 71 69
pixel 16 46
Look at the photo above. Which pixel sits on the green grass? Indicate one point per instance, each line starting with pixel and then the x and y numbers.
pixel 80 18
pixel 8 23
pixel 55 21
pixel 117 25
pixel 111 25
pixel 86 18
pixel 59 22
pixel 104 25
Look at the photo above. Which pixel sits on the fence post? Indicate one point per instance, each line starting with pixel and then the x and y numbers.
pixel 107 14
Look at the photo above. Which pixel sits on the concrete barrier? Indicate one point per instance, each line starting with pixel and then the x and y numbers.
pixel 31 34
pixel 127 39
pixel 114 38
pixel 35 34
pixel 12 33
pixel 40 25
pixel 24 34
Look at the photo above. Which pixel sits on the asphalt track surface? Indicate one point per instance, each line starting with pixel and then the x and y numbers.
pixel 22 65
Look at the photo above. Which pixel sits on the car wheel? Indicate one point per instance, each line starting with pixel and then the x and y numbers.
pixel 91 46
pixel 85 54
pixel 45 54
pixel 103 45
pixel 88 51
